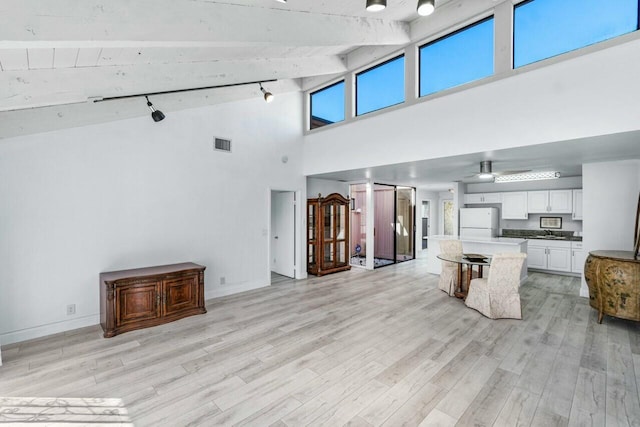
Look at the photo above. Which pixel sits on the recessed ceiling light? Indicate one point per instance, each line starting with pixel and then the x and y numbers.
pixel 426 7
pixel 376 5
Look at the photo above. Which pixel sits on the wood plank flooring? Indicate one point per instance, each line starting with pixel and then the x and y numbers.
pixel 359 348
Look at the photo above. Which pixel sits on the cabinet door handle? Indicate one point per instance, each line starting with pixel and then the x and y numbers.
pixel 158 299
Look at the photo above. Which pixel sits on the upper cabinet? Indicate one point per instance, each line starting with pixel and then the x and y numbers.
pixel 514 205
pixel 550 201
pixel 478 198
pixel 577 204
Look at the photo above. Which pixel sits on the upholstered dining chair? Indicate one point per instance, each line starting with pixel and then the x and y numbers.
pixel 449 275
pixel 498 296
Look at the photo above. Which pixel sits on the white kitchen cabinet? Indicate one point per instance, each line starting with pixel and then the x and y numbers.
pixel 578 257
pixel 477 198
pixel 577 204
pixel 537 201
pixel 536 256
pixel 514 205
pixel 560 201
pixel 550 201
pixel 549 255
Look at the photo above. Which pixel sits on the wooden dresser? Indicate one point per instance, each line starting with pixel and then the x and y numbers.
pixel 143 297
pixel 613 278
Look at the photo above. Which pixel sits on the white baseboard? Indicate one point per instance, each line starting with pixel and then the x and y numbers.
pixel 50 329
pixel 223 291
pixel 82 322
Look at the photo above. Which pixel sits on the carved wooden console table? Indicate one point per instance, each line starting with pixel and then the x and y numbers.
pixel 613 278
pixel 143 297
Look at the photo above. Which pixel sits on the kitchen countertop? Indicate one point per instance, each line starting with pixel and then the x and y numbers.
pixel 562 239
pixel 559 235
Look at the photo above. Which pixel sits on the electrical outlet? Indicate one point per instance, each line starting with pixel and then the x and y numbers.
pixel 223 280
pixel 71 309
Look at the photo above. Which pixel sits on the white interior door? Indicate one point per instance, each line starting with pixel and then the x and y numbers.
pixel 283 233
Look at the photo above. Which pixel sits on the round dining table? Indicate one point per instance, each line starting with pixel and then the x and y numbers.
pixel 470 260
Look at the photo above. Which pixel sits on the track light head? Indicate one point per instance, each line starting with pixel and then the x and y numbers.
pixel 426 7
pixel 376 5
pixel 268 96
pixel 156 115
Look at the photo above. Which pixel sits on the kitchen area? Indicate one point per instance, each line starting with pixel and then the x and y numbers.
pixel 544 223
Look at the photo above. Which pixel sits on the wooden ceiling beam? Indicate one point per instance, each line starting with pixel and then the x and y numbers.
pixel 37 88
pixel 182 23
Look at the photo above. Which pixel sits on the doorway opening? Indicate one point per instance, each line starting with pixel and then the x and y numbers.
pixel 358 222
pixel 447 217
pixel 426 213
pixel 282 246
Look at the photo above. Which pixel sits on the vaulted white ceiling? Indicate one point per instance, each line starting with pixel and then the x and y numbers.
pixel 54 54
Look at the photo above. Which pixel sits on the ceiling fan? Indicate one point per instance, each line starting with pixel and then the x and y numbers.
pixel 487 173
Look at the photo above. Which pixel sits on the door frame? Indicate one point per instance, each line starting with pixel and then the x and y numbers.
pixel 298 231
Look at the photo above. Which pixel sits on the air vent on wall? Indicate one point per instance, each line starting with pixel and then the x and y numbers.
pixel 222 144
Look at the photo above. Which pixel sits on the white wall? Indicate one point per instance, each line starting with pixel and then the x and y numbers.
pixel 136 193
pixel 610 191
pixel 326 187
pixel 570 99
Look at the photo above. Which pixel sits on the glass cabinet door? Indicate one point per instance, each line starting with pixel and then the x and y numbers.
pixel 341 233
pixel 328 222
pixel 311 222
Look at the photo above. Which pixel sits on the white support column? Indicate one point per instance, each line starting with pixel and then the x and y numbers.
pixel 458 202
pixel 370 226
pixel 503 40
pixel 349 96
pixel 410 74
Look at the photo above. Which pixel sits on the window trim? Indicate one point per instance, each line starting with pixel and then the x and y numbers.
pixel 355 84
pixel 446 36
pixel 310 115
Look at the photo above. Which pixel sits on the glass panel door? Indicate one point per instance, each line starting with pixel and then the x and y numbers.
pixel 405 223
pixel 358 222
pixel 384 225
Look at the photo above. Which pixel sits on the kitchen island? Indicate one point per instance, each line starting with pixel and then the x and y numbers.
pixel 485 246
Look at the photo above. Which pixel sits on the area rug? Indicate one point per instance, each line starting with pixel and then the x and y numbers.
pixel 17 411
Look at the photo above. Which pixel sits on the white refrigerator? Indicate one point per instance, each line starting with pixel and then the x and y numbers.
pixel 479 222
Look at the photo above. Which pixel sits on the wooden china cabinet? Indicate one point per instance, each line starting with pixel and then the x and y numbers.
pixel 328 234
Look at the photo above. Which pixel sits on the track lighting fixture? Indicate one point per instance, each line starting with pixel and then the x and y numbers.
pixel 156 115
pixel 426 7
pixel 268 96
pixel 376 5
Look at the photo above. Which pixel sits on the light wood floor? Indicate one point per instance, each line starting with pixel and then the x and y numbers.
pixel 359 348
